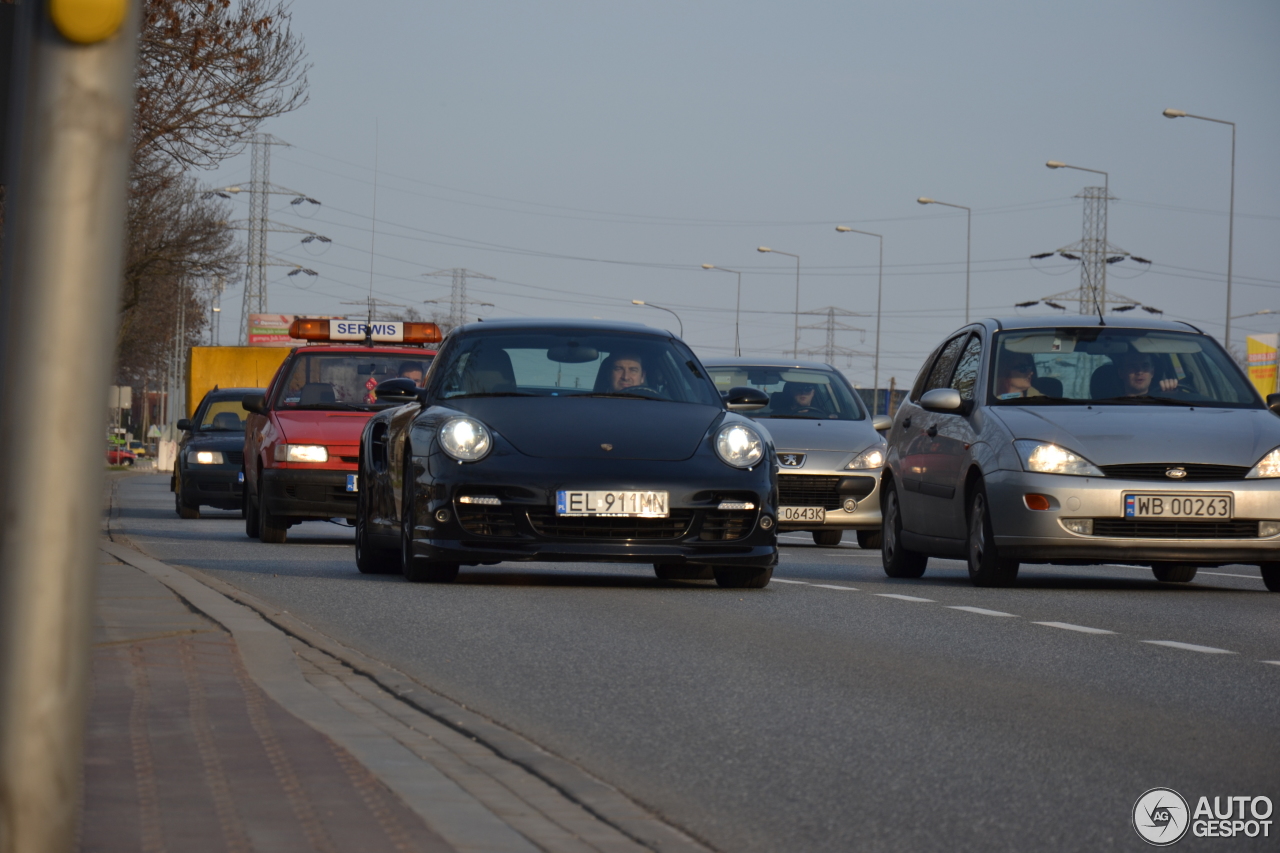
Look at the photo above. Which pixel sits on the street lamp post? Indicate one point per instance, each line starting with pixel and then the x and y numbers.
pixel 1231 213
pixel 737 311
pixel 1106 192
pixel 968 243
pixel 660 308
pixel 795 348
pixel 845 229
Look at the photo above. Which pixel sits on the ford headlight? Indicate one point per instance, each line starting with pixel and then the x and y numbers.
pixel 465 439
pixel 1041 457
pixel 301 453
pixel 1268 466
pixel 205 457
pixel 872 457
pixel 739 445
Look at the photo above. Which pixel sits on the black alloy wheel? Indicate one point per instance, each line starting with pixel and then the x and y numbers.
pixel 736 577
pixel 1271 575
pixel 1173 572
pixel 415 568
pixel 870 540
pixel 986 566
pixel 371 560
pixel 272 529
pixel 249 502
pixel 828 538
pixel 898 560
pixel 184 509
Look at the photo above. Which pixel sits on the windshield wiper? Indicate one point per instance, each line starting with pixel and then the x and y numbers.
pixel 617 395
pixel 338 406
pixel 1147 400
pixel 1042 401
pixel 492 394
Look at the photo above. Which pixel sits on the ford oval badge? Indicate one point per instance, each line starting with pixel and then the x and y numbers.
pixel 1176 473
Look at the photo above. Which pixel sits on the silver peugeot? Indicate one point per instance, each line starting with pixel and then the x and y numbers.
pixel 1082 441
pixel 829 453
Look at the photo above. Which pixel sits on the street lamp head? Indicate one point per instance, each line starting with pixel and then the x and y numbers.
pixel 763 249
pixel 925 200
pixel 1056 164
pixel 637 301
pixel 843 228
pixel 708 266
pixel 1172 113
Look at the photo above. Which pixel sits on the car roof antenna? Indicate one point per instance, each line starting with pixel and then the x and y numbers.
pixel 1102 321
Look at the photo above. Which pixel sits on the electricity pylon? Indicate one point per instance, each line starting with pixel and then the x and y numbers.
pixel 1094 254
pixel 831 326
pixel 458 301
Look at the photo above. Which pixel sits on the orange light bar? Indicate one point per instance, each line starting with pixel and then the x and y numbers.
pixel 309 330
pixel 422 333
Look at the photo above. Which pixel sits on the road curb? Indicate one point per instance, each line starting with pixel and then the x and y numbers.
pixel 264 648
pixel 602 800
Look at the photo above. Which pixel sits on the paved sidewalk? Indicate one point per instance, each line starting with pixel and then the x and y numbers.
pixel 220 723
pixel 185 753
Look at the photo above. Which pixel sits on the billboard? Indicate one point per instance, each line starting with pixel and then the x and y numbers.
pixel 1262 362
pixel 272 330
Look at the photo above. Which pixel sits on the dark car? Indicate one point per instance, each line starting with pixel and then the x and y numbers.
pixel 209 470
pixel 569 441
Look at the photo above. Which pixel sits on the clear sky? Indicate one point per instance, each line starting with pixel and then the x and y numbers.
pixel 585 154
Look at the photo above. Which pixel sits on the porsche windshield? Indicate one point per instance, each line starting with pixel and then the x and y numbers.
pixel 1115 366
pixel 567 363
pixel 794 392
pixel 344 380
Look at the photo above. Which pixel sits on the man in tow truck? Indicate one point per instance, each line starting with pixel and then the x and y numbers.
pixel 302 438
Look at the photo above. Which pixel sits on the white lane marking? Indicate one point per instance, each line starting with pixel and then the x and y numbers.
pixel 980 611
pixel 831 586
pixel 783 580
pixel 904 597
pixel 1230 575
pixel 1190 647
pixel 1067 626
pixel 1273 662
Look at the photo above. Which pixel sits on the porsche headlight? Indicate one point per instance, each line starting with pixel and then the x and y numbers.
pixel 205 457
pixel 1268 466
pixel 1041 457
pixel 465 439
pixel 301 453
pixel 872 457
pixel 739 445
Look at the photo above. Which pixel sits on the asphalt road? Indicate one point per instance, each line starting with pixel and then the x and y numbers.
pixel 835 710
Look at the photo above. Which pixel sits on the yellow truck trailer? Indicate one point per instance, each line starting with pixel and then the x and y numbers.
pixel 230 367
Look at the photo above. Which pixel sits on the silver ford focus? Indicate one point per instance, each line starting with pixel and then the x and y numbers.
pixel 829 453
pixel 1080 441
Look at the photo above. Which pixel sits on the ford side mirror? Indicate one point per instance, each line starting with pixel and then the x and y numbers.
pixel 882 423
pixel 397 391
pixel 256 403
pixel 946 401
pixel 184 424
pixel 1273 403
pixel 746 399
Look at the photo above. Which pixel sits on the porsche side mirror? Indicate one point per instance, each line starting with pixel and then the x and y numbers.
pixel 398 391
pixel 184 424
pixel 256 403
pixel 1273 403
pixel 882 423
pixel 746 399
pixel 945 401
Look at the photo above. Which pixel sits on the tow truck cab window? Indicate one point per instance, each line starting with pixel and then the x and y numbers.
pixel 338 380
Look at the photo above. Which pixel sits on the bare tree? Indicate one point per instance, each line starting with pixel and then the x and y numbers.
pixel 209 72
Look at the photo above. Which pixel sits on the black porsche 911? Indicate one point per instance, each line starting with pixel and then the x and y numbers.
pixel 567 441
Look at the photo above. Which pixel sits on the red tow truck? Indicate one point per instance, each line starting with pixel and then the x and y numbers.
pixel 302 438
